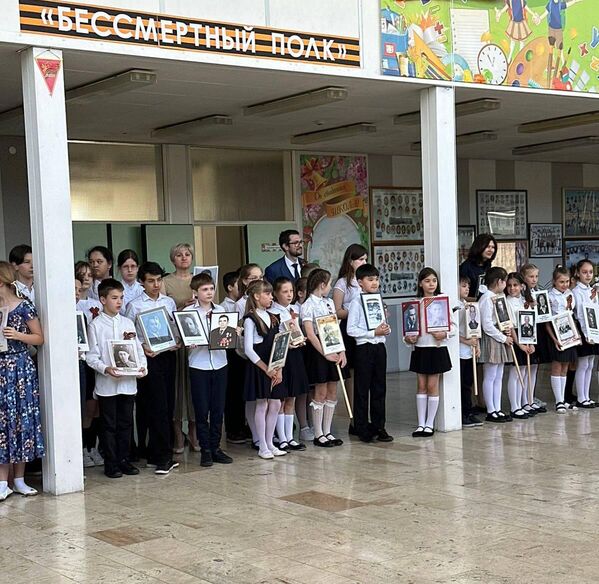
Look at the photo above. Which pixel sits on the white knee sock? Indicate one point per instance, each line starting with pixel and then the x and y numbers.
pixel 327 420
pixel 556 386
pixel 589 377
pixel 497 386
pixel 524 390
pixel 421 403
pixel 433 406
pixel 260 409
pixel 281 428
pixel 514 390
pixel 534 369
pixel 580 378
pixel 289 427
pixel 250 414
pixel 317 414
pixel 489 372
pixel 272 416
pixel 562 394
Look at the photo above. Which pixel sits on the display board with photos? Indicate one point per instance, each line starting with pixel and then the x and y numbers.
pixel 545 240
pixel 223 330
pixel 472 320
pixel 566 331
pixel 581 249
pixel 278 353
pixel 466 235
pixel 437 316
pixel 396 214
pixel 503 213
pixel 329 334
pixel 580 212
pixel 399 266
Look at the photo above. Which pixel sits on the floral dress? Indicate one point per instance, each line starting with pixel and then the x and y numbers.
pixel 21 437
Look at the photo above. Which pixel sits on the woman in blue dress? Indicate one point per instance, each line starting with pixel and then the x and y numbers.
pixel 21 439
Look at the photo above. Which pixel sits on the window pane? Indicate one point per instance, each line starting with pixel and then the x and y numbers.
pixel 239 185
pixel 114 182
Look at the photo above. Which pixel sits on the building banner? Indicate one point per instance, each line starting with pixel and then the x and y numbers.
pixel 335 207
pixel 541 44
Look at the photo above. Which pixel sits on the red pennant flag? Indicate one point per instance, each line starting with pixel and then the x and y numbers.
pixel 49 69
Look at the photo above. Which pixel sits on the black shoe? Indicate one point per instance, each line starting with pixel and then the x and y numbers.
pixel 236 439
pixel 519 415
pixel 471 421
pixel 221 457
pixel 382 436
pixel 298 446
pixel 324 443
pixel 494 417
pixel 206 458
pixel 419 432
pixel 505 417
pixel 333 440
pixel 352 430
pixel 113 473
pixel 128 469
pixel 366 437
pixel 164 469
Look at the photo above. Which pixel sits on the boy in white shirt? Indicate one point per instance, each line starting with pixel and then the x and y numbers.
pixel 370 362
pixel 115 392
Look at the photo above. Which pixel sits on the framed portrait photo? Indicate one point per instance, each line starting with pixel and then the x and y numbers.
pixel 542 306
pixel 124 357
pixel 581 212
pixel 545 240
pixel 297 336
pixel 471 315
pixel 502 313
pixel 278 353
pixel 410 317
pixel 82 340
pixel 591 321
pixel 396 214
pixel 212 270
pixel 565 330
pixel 527 327
pixel 504 214
pixel 155 324
pixel 466 235
pixel 223 330
pixel 329 334
pixel 374 309
pixel 436 314
pixel 398 266
pixel 581 249
pixel 191 328
pixel 4 310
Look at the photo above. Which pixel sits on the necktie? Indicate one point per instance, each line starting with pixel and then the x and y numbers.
pixel 296 270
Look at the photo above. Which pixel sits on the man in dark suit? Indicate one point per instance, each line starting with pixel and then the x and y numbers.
pixel 290 265
pixel 225 336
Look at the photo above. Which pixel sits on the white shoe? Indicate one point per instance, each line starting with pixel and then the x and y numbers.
pixel 276 452
pixel 307 434
pixel 26 491
pixel 88 461
pixel 96 457
pixel 266 454
pixel 5 493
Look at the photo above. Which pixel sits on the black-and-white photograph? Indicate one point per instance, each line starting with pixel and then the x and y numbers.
pixel 466 235
pixel 329 334
pixel 542 306
pixel 82 340
pixel 471 315
pixel 278 353
pixel 566 331
pixel 223 330
pixel 3 321
pixel 527 327
pixel 212 270
pixel 374 310
pixel 545 240
pixel 156 328
pixel 591 320
pixel 398 267
pixel 123 357
pixel 502 313
pixel 581 212
pixel 502 213
pixel 297 336
pixel 191 328
pixel 410 316
pixel 436 314
pixel 396 214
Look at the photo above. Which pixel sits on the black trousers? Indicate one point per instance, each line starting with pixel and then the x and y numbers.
pixel 370 381
pixel 208 390
pixel 155 407
pixel 234 404
pixel 116 413
pixel 467 380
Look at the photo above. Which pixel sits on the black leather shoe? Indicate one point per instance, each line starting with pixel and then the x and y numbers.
pixel 113 473
pixel 382 436
pixel 352 430
pixel 206 458
pixel 324 443
pixel 221 457
pixel 128 469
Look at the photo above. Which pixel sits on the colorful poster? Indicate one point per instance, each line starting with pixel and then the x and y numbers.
pixel 550 44
pixel 335 207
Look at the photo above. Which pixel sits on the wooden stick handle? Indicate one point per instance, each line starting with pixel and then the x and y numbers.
pixel 530 387
pixel 517 367
pixel 474 370
pixel 345 396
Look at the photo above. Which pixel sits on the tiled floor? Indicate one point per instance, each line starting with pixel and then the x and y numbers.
pixel 516 503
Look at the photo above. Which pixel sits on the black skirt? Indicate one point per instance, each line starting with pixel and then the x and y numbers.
pixel 544 344
pixel 319 369
pixel 586 349
pixel 568 356
pixel 257 385
pixel 295 377
pixel 349 342
pixel 430 360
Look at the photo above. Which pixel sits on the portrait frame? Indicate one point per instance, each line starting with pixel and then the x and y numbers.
pixel 405 306
pixel 540 235
pixel 466 236
pixel 429 324
pixel 278 353
pixel 129 347
pixel 579 249
pixel 545 315
pixel 212 270
pixel 297 336
pixel 398 267
pixel 472 332
pixel 329 334
pixel 566 330
pixel 526 339
pixel 400 219
pixel 502 313
pixel 83 346
pixel 4 310
pixel 374 309
pixel 592 327
pixel 580 212
pixel 163 343
pixel 218 342
pixel 189 340
pixel 502 213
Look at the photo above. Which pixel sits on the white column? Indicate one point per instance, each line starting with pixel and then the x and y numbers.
pixel 52 243
pixel 440 224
